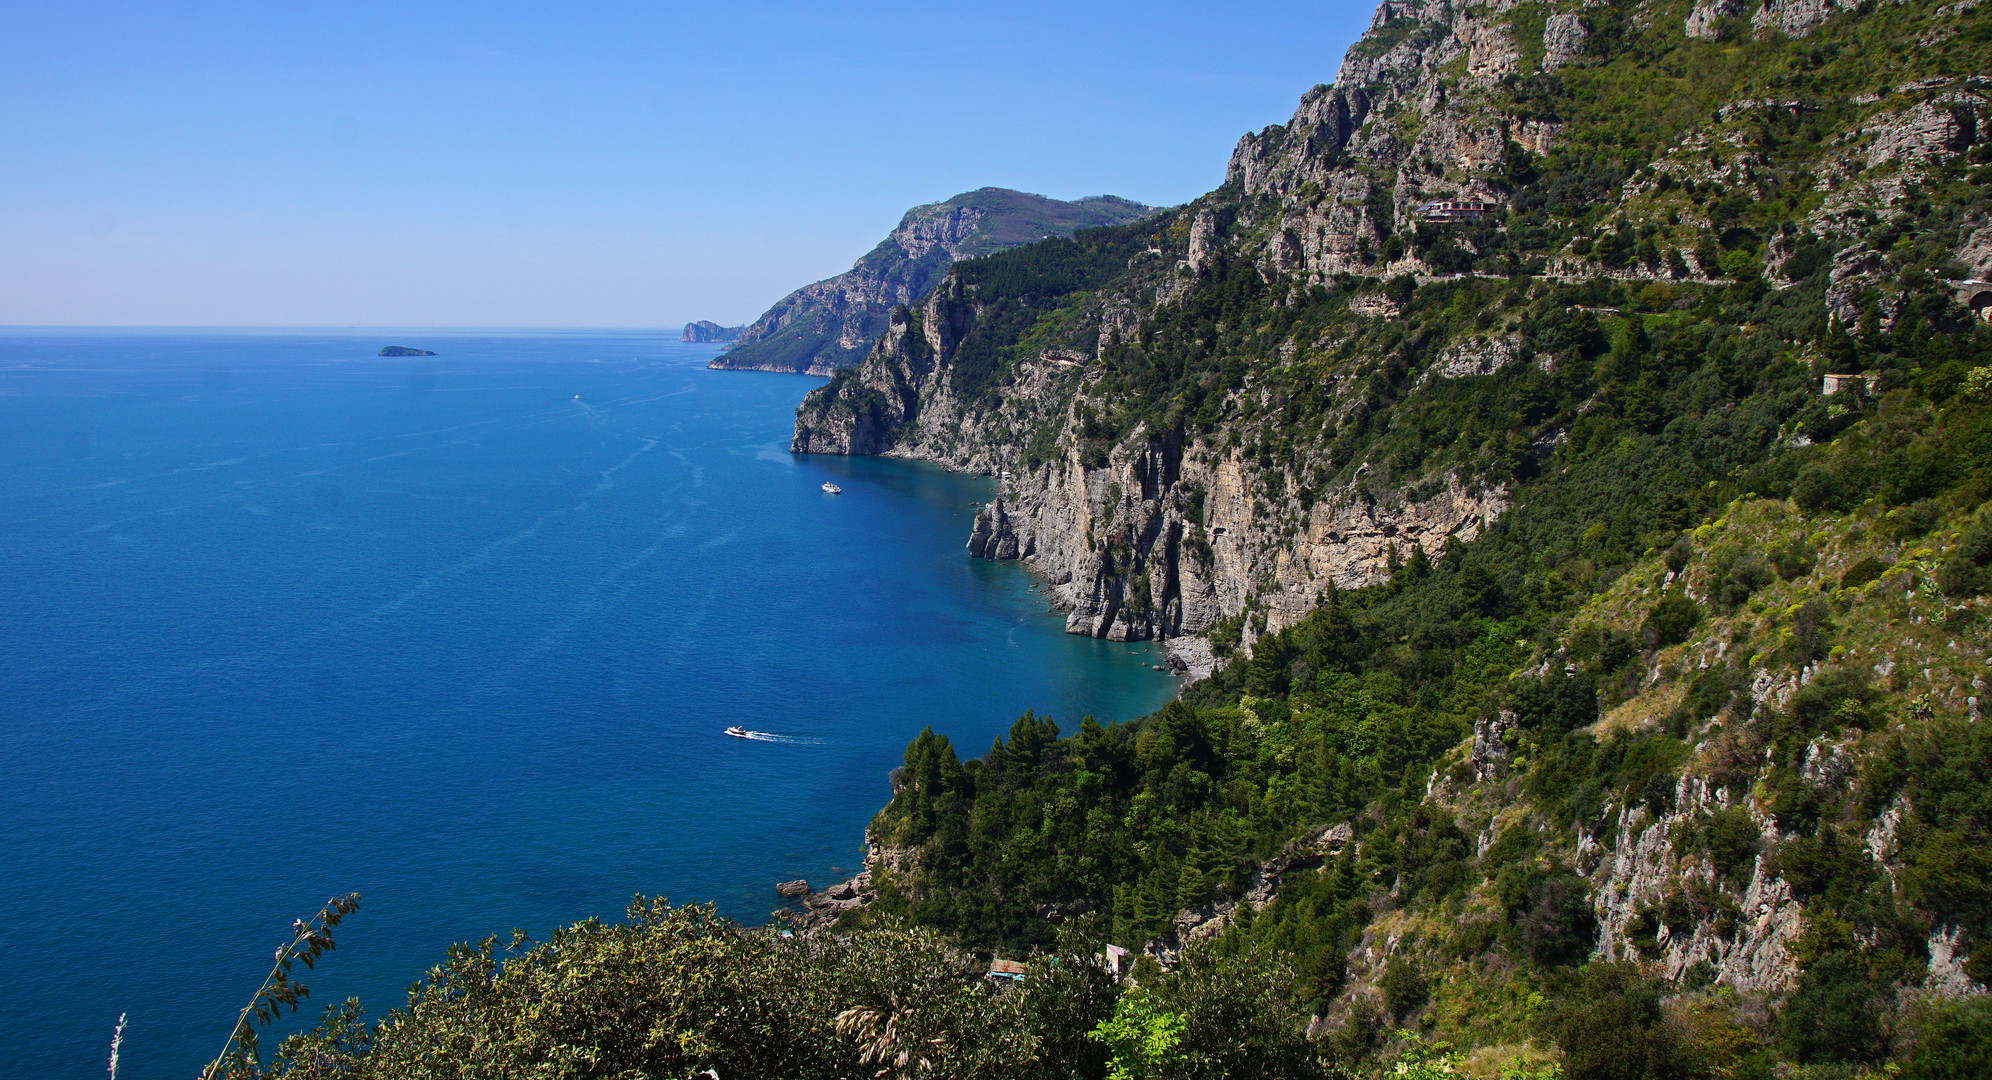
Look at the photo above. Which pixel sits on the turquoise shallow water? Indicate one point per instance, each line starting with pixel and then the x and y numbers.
pixel 282 619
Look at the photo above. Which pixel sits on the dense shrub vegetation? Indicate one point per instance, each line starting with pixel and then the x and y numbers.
pixel 673 992
pixel 1720 603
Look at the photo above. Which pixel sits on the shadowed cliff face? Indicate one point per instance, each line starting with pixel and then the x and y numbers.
pixel 831 324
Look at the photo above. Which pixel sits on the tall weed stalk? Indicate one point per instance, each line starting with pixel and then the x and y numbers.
pixel 309 941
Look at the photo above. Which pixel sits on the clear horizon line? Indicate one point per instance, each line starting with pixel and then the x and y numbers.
pixel 354 327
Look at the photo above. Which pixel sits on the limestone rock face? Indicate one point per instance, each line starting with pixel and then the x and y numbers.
pixel 1563 38
pixel 994 537
pixel 1745 944
pixel 1470 358
pixel 1702 21
pixel 1203 234
pixel 1921 131
pixel 1490 755
pixel 1344 184
pixel 1796 18
pixel 1285 158
pixel 831 324
pixel 707 330
pixel 861 411
pixel 1976 254
pixel 1167 536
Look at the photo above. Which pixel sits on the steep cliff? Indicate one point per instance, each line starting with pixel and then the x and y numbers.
pixel 1570 430
pixel 831 324
pixel 1199 419
pixel 1743 772
pixel 706 330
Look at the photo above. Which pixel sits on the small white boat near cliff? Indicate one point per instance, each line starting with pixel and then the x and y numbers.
pixel 832 488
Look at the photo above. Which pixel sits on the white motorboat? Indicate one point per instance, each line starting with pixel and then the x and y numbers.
pixel 737 731
pixel 832 488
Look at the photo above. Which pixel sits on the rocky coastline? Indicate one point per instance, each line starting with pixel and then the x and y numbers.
pixel 831 324
pixel 1205 533
pixel 814 910
pixel 705 330
pixel 1181 529
pixel 1166 538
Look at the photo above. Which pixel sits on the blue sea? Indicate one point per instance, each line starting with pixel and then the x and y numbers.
pixel 282 619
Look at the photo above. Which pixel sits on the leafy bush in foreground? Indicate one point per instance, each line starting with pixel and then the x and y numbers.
pixel 674 992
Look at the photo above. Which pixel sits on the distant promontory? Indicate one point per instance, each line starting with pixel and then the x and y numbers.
pixel 403 350
pixel 831 324
pixel 707 330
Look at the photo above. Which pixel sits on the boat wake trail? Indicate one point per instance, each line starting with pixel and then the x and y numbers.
pixel 774 737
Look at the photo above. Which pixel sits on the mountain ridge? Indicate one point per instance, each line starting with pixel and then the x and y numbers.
pixel 1730 253
pixel 1596 583
pixel 832 323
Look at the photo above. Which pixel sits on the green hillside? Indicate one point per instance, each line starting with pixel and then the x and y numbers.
pixel 1663 761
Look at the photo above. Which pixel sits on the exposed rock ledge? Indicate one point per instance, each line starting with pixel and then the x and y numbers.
pixel 1166 575
pixel 821 909
pixel 1190 657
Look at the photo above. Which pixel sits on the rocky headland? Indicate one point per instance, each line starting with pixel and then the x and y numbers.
pixel 833 323
pixel 706 330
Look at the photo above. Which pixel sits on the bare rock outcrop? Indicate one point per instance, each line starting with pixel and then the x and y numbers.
pixel 1704 21
pixel 1168 535
pixel 1743 938
pixel 1796 18
pixel 1470 358
pixel 1563 38
pixel 1489 756
pixel 1923 130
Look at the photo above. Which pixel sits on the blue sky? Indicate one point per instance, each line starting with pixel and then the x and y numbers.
pixel 499 164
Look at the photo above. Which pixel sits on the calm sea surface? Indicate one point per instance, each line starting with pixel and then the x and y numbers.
pixel 281 619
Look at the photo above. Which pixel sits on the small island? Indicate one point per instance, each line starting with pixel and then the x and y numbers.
pixel 403 350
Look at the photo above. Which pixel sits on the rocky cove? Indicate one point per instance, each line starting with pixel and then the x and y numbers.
pixel 1165 538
